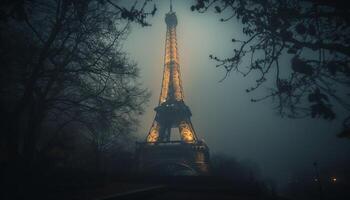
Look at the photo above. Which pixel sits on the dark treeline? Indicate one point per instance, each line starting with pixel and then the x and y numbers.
pixel 69 94
pixel 321 180
pixel 243 174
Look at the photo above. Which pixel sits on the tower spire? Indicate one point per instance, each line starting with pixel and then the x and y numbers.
pixel 171 6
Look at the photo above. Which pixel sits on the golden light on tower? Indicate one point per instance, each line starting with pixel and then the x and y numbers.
pixel 171 99
pixel 154 132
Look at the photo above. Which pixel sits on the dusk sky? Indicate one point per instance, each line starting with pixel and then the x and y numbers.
pixel 222 112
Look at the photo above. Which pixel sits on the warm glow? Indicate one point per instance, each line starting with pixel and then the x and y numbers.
pixel 171 74
pixel 171 84
pixel 174 63
pixel 333 179
pixel 186 132
pixel 153 134
pixel 165 84
pixel 177 82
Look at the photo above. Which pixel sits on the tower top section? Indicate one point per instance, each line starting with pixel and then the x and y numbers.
pixel 170 17
pixel 171 6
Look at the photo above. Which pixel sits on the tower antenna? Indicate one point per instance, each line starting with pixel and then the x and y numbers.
pixel 171 6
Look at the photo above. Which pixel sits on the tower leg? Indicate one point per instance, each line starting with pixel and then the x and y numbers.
pixel 153 134
pixel 187 132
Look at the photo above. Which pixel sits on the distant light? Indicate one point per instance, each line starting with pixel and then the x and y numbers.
pixel 315 179
pixel 333 179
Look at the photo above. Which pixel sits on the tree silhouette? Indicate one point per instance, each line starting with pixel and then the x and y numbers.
pixel 62 65
pixel 313 34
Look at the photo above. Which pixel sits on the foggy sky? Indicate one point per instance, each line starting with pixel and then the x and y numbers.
pixel 222 112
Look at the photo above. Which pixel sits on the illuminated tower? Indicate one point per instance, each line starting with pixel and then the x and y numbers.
pixel 172 112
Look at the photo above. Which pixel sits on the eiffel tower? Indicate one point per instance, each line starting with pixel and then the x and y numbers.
pixel 159 154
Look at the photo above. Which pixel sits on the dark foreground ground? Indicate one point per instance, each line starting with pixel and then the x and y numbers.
pixel 193 188
pixel 80 185
pixel 168 188
pixel 183 188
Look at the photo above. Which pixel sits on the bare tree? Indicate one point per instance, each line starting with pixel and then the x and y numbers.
pixel 62 64
pixel 316 36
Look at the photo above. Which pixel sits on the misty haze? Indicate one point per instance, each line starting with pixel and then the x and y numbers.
pixel 182 99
